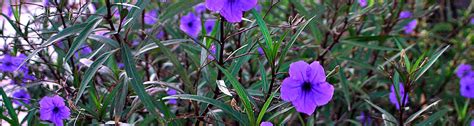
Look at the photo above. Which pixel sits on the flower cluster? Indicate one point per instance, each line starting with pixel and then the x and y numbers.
pixel 466 74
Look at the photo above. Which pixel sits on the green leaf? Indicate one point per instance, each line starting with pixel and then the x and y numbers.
pixel 431 61
pixel 366 45
pixel 226 108
pixel 11 111
pixel 106 40
pixel 90 72
pixel 81 38
pixel 136 80
pixel 415 115
pixel 55 38
pixel 390 120
pixel 264 108
pixel 266 35
pixel 243 94
pixel 433 118
pixel 179 68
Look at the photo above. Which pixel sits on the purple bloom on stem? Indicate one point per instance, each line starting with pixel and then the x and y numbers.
pixel 212 49
pixel 21 95
pixel 200 8
pixel 231 10
pixel 9 63
pixel 463 70
pixel 260 51
pixel 410 27
pixel 191 25
pixel 393 96
pixel 266 124
pixel 209 25
pixel 46 3
pixel 365 119
pixel 362 3
pixel 171 92
pixel 405 14
pixel 53 109
pixel 467 87
pixel 306 87
pixel 151 17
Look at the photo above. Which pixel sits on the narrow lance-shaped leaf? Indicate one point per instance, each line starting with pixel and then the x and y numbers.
pixel 243 94
pixel 90 72
pixel 81 38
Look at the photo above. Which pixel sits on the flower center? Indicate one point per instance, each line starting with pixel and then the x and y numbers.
pixel 55 110
pixel 468 88
pixel 190 24
pixel 8 64
pixel 307 86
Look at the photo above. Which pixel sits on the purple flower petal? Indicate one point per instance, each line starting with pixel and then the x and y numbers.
pixel 215 5
pixel 405 14
pixel 246 5
pixel 306 103
pixel 200 8
pixel 362 3
pixel 463 70
pixel 290 89
pixel 231 12
pixel 324 92
pixel 410 27
pixel 266 124
pixel 319 75
pixel 298 70
pixel 393 96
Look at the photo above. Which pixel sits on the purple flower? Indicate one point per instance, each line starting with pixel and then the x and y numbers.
pixel 260 51
pixel 365 119
pixel 306 87
pixel 362 3
pixel 46 3
pixel 472 122
pixel 266 124
pixel 467 87
pixel 472 21
pixel 21 95
pixel 410 27
pixel 151 17
pixel 405 14
pixel 171 92
pixel 200 8
pixel 463 70
pixel 393 96
pixel 212 49
pixel 53 109
pixel 10 64
pixel 231 10
pixel 209 25
pixel 191 25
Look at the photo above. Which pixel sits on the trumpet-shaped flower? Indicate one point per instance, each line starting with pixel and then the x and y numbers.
pixel 53 109
pixel 231 10
pixel 306 87
pixel 393 96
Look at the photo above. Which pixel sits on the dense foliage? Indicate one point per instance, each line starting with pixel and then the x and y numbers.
pixel 236 62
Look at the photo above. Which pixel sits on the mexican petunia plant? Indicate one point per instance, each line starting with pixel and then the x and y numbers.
pixel 236 62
